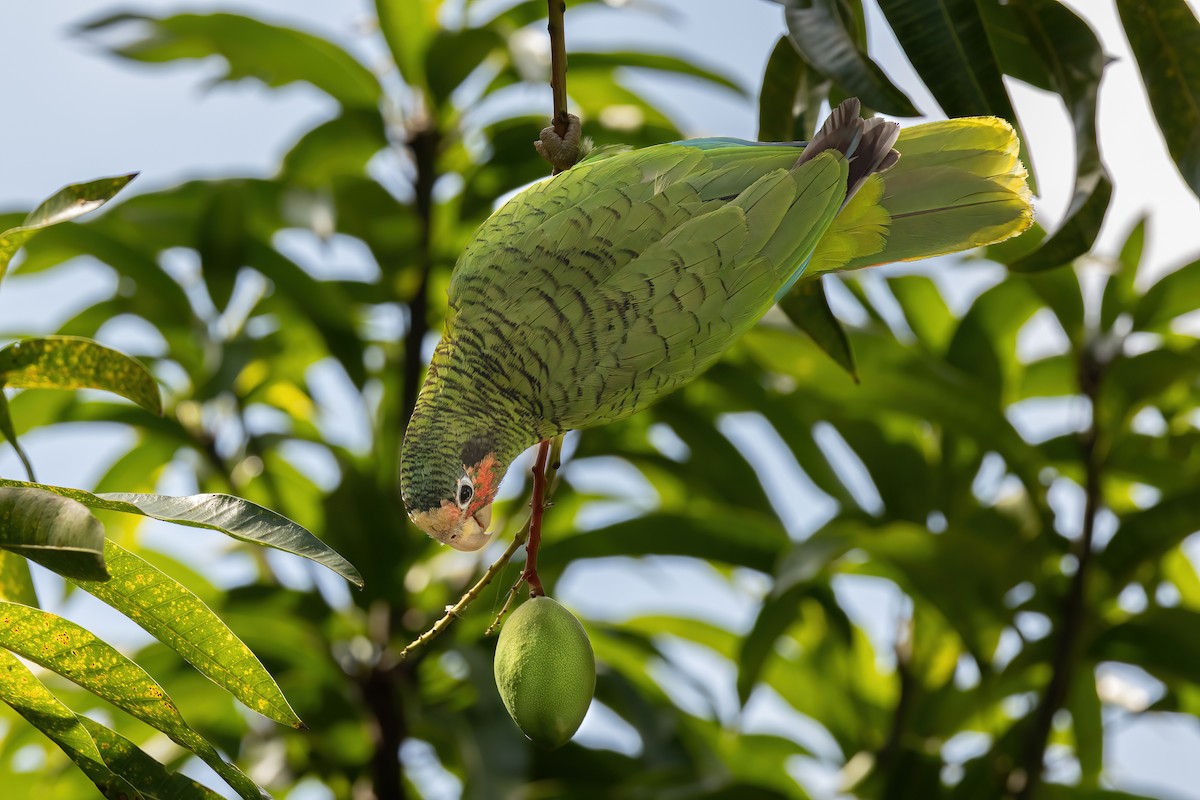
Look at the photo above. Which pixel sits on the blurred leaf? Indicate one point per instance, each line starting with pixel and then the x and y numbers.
pixel 781 88
pixel 1165 38
pixel 57 532
pixel 1120 293
pixel 66 204
pixel 1174 295
pixel 30 698
pixel 177 618
pixel 453 55
pixel 1078 232
pixel 406 28
pixel 68 362
pixel 123 757
pixel 77 655
pixel 1088 725
pixel 582 61
pixel 219 512
pixel 779 611
pixel 821 35
pixel 743 539
pixel 924 309
pixel 949 48
pixel 342 146
pixel 808 308
pixel 273 54
pixel 1163 641
pixel 1144 537
pixel 16 584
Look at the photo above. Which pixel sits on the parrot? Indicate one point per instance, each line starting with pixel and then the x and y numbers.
pixel 590 295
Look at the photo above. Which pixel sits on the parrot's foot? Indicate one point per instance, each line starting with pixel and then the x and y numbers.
pixel 538 504
pixel 561 151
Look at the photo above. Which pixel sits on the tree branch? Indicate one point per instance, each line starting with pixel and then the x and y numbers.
pixel 1026 776
pixel 556 10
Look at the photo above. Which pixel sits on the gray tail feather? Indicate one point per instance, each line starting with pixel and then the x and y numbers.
pixel 866 143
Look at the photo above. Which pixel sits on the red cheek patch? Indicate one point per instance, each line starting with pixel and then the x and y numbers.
pixel 484 476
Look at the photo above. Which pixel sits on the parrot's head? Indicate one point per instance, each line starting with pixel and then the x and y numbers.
pixel 449 495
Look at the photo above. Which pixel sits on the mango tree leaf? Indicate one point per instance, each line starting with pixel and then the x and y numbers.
pixel 232 516
pixel 69 362
pixel 341 146
pixel 1165 38
pixel 454 54
pixel 406 28
pixel 1175 294
pixel 1078 232
pixel 744 539
pixel 790 98
pixel 1145 536
pixel 821 36
pixel 30 698
pixel 127 759
pixel 57 532
pixel 177 618
pixel 808 308
pixel 1120 293
pixel 925 310
pixel 1163 641
pixel 75 653
pixel 1088 726
pixel 947 44
pixel 67 203
pixel 593 61
pixel 16 583
pixel 273 54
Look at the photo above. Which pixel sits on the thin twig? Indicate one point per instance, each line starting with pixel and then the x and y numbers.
pixel 556 10
pixel 456 610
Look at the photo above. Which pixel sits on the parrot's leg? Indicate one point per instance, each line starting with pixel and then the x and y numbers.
pixel 530 575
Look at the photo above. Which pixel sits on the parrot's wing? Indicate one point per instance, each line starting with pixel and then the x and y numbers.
pixel 623 278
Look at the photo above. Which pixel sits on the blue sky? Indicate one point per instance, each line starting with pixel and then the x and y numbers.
pixel 76 114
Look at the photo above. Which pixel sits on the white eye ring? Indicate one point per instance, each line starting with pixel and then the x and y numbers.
pixel 465 491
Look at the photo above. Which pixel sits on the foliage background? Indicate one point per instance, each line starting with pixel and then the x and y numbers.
pixel 276 399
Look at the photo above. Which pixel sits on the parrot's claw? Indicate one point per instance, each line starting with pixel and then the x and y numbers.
pixel 561 151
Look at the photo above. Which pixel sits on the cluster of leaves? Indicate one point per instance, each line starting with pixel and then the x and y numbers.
pixel 958 513
pixel 54 526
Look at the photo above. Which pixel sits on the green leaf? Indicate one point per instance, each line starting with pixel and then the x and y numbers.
pixel 57 532
pixel 30 698
pixel 1175 294
pixel 69 362
pixel 126 759
pixel 924 309
pixel 1144 537
pixel 743 539
pixel 232 516
pixel 823 39
pixel 406 28
pixel 16 584
pixel 1163 641
pixel 779 611
pixel 1088 725
pixel 1120 294
pixel 605 62
pixel 76 654
pixel 1078 232
pixel 67 203
pixel 947 44
pixel 785 73
pixel 273 54
pixel 453 55
pixel 177 618
pixel 1165 38
pixel 808 308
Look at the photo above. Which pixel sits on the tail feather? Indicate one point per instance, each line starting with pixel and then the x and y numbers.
pixel 866 143
pixel 958 185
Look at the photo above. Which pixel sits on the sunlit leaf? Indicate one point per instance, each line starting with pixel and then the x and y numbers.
pixel 65 204
pixel 125 758
pixel 67 362
pixel 1174 295
pixel 10 434
pixel 76 654
pixel 30 698
pixel 219 512
pixel 176 617
pixel 16 584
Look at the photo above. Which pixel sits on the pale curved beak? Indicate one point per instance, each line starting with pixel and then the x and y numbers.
pixel 474 533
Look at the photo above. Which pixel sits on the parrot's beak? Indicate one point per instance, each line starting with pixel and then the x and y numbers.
pixel 474 534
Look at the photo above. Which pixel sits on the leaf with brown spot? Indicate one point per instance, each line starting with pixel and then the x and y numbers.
pixel 75 653
pixel 70 362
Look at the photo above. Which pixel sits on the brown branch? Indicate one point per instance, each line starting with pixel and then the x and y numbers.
pixel 556 9
pixel 1026 776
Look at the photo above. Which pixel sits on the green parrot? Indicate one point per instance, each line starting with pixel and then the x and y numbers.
pixel 590 295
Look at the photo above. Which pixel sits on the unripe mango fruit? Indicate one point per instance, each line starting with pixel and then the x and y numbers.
pixel 545 671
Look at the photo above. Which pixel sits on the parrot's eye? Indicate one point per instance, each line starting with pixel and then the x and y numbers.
pixel 465 492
